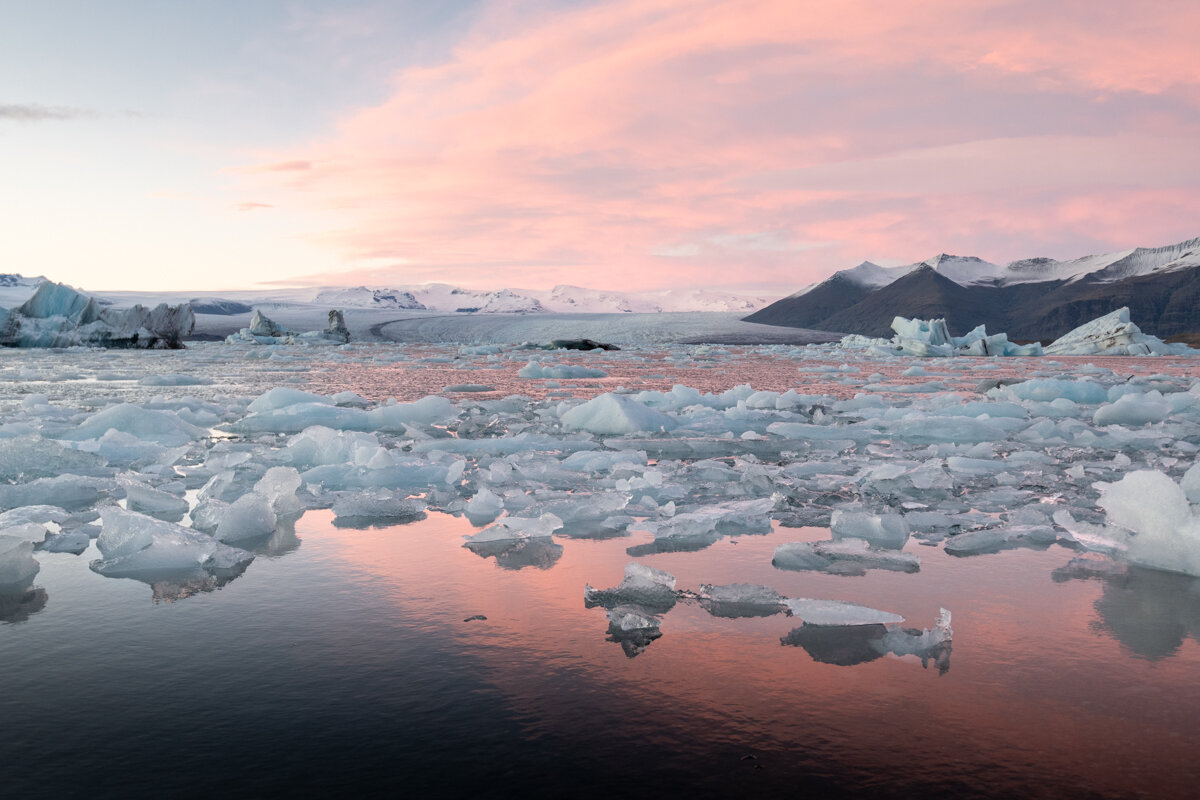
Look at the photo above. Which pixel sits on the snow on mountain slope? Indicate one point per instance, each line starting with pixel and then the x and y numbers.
pixel 16 289
pixel 971 271
pixel 362 297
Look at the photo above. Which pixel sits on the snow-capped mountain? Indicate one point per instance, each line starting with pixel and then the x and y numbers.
pixel 362 297
pixel 972 271
pixel 1030 298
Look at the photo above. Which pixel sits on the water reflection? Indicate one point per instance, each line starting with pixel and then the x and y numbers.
pixel 1148 611
pixel 541 552
pixel 18 602
pixel 848 645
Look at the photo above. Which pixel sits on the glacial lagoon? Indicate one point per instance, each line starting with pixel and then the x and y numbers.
pixel 364 652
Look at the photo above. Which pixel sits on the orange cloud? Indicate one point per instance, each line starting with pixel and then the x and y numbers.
pixel 644 143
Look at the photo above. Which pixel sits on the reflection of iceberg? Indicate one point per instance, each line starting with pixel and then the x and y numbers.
pixel 519 553
pixel 19 602
pixel 632 627
pixel 1148 611
pixel 847 645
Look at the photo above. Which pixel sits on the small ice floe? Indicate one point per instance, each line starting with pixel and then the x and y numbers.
pixel 134 545
pixel 866 634
pixel 642 585
pixel 377 507
pixel 615 415
pixel 1150 516
pixel 517 542
pixel 741 600
pixel 535 369
pixel 842 557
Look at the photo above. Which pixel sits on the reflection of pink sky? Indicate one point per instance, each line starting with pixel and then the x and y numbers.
pixel 713 374
pixel 632 145
pixel 1021 690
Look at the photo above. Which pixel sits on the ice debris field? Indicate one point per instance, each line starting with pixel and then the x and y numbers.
pixel 178 467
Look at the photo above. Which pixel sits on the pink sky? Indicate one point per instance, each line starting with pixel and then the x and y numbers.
pixel 641 144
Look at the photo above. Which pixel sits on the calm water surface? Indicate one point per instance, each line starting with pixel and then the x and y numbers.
pixel 345 665
pixel 340 661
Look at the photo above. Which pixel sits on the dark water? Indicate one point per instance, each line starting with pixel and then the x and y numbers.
pixel 342 665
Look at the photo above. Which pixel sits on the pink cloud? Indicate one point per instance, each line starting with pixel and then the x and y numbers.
pixel 644 143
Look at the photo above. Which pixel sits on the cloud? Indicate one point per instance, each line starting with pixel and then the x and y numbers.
pixel 297 165
pixel 644 143
pixel 251 206
pixel 33 112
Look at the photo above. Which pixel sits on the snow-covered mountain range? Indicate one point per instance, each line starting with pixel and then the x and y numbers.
pixel 972 271
pixel 1032 298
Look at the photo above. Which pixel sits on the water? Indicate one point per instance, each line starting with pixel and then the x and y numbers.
pixel 340 661
pixel 345 665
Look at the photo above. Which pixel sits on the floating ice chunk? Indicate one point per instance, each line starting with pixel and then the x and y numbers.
pixel 71 492
pixel 881 530
pixel 161 427
pixel 1165 534
pixel 1047 389
pixel 17 564
pixel 279 485
pixel 993 540
pixel 154 502
pixel 74 542
pixel 535 369
pixel 397 417
pixel 838 612
pixel 248 517
pixel 33 532
pixel 1190 483
pixel 613 414
pixel 282 397
pixel 627 618
pixel 24 458
pixel 33 514
pixel 175 380
pixel 1134 410
pixel 134 544
pixel 319 445
pixel 847 556
pixel 741 600
pixel 375 506
pixel 1112 335
pixel 642 585
pixel 518 528
pixel 709 523
pixel 485 505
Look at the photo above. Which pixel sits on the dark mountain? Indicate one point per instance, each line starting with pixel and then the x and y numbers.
pixel 1161 287
pixel 925 294
pixel 816 304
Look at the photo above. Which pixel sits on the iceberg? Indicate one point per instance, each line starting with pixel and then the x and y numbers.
pixel 134 545
pixel 60 316
pixel 1113 335
pixel 264 330
pixel 925 338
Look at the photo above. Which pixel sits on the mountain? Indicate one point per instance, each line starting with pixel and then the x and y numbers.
pixel 362 297
pixel 1034 298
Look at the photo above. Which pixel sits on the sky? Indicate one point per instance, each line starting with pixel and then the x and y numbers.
pixel 742 145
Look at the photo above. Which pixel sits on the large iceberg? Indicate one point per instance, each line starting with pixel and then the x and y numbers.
pixel 1113 335
pixel 920 337
pixel 59 316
